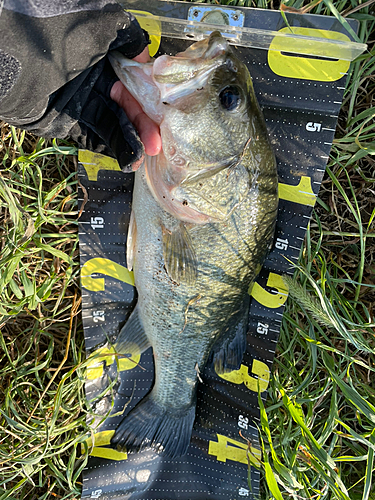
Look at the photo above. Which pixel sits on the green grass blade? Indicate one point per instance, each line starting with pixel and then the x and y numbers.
pixel 341 19
pixel 369 469
pixel 351 394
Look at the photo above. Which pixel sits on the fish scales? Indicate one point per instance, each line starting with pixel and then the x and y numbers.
pixel 203 219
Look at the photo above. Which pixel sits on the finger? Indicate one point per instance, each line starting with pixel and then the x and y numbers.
pixel 124 99
pixel 143 57
pixel 149 133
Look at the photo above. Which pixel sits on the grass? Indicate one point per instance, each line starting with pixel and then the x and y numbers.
pixel 42 404
pixel 318 422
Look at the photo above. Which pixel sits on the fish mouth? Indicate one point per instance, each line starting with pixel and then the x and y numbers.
pixel 209 47
pixel 216 45
pixel 181 75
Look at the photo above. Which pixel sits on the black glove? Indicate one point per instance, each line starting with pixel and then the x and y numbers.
pixel 55 78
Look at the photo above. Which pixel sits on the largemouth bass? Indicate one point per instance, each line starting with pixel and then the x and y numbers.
pixel 203 217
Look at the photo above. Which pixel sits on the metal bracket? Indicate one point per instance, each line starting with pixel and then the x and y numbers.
pixel 216 15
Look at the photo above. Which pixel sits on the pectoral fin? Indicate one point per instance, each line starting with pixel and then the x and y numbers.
pixel 179 255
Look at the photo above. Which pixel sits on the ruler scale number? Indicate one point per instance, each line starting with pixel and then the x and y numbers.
pixel 97 222
pixel 281 244
pixel 262 328
pixel 313 127
pixel 243 422
pixel 98 316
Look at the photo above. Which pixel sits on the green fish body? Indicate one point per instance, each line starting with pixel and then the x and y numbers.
pixel 203 217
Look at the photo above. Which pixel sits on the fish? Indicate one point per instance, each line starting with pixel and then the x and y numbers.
pixel 202 222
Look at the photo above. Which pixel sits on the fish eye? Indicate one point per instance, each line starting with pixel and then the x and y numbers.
pixel 230 98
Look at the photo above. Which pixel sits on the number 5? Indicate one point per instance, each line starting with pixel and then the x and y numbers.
pixel 313 127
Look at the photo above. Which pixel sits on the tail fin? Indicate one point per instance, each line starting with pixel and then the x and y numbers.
pixel 150 425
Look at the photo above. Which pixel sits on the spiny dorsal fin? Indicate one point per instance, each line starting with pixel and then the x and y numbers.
pixel 179 255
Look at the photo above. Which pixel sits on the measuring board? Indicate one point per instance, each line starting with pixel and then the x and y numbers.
pixel 300 97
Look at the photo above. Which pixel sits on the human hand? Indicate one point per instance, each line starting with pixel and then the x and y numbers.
pixel 148 130
pixel 72 96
